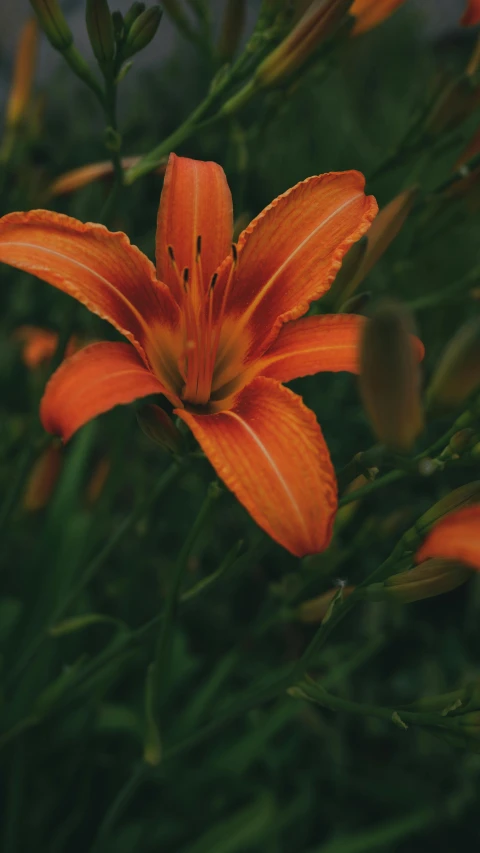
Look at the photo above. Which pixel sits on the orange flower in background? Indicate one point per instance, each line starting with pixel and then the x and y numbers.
pixel 369 13
pixel 471 15
pixel 455 537
pixel 39 345
pixel 23 72
pixel 215 329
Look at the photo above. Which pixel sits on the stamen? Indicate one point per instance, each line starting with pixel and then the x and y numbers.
pixel 234 254
pixel 185 275
pixel 171 254
pixel 213 281
pixel 199 245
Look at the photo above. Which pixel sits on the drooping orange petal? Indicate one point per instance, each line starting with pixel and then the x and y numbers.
pixel 270 452
pixel 289 255
pixel 471 15
pixel 370 13
pixel 195 202
pixel 91 382
pixel 101 269
pixel 75 179
pixel 455 537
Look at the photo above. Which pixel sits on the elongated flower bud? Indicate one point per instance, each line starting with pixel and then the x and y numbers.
pixel 159 427
pixel 142 31
pixel 431 578
pixel 464 496
pixel 25 60
pixel 43 479
pixel 316 609
pixel 135 10
pixel 53 23
pixel 369 13
pixel 458 373
pixel 341 289
pixel 317 24
pixel 100 30
pixel 390 379
pixel 381 233
pixel 232 28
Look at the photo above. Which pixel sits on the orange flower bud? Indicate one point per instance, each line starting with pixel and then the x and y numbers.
pixel 23 71
pixel 471 15
pixel 39 345
pixel 317 24
pixel 53 23
pixel 458 373
pixel 434 577
pixel 84 175
pixel 456 537
pixel 316 609
pixel 390 378
pixel 370 13
pixel 158 426
pixel 43 479
pixel 97 481
pixel 233 25
pixel 381 233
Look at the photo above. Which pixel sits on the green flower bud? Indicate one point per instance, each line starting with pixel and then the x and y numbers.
pixel 142 31
pixel 390 378
pixel 53 23
pixel 135 10
pixel 431 578
pixel 159 427
pixel 100 30
pixel 458 373
pixel 232 28
pixel 458 499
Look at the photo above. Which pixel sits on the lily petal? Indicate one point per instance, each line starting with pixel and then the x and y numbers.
pixel 312 345
pixel 289 255
pixel 101 269
pixel 455 537
pixel 195 202
pixel 270 452
pixel 91 382
pixel 324 343
pixel 370 13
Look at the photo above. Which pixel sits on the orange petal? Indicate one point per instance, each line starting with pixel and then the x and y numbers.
pixel 270 452
pixel 102 270
pixel 91 382
pixel 312 345
pixel 38 345
pixel 370 13
pixel 289 255
pixel 195 201
pixel 75 179
pixel 23 72
pixel 323 343
pixel 455 537
pixel 471 15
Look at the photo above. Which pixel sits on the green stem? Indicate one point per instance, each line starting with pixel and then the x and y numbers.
pixel 119 804
pixel 81 69
pixel 162 659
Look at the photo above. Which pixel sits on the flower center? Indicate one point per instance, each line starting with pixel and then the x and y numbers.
pixel 201 327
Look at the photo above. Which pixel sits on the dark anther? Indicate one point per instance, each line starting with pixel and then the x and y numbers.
pixel 199 245
pixel 185 275
pixel 234 253
pixel 213 280
pixel 170 253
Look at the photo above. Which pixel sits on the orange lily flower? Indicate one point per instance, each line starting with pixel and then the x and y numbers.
pixel 471 15
pixel 216 329
pixel 455 537
pixel 369 13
